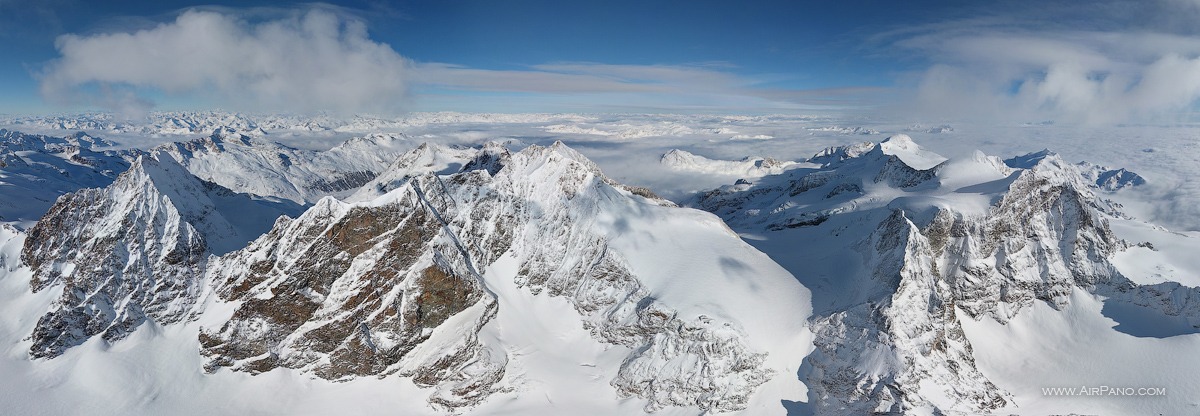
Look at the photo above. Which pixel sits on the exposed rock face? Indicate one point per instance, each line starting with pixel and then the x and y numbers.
pixel 345 291
pixel 392 285
pixel 365 289
pixel 128 253
pixel 1042 238
pixel 902 347
pixel 1096 176
pixel 342 182
pixel 124 254
pixel 812 195
pixel 837 154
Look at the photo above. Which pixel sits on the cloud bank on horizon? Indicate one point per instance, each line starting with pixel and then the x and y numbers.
pixel 1089 64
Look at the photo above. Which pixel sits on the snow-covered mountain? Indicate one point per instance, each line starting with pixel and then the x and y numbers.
pixel 432 158
pixel 256 166
pixel 36 169
pixel 682 160
pixel 845 130
pixel 423 281
pixel 1100 177
pixel 134 251
pixel 175 123
pixel 387 275
pixel 900 246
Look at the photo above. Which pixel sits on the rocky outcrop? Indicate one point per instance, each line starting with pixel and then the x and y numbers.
pixel 345 291
pixel 365 289
pixel 128 253
pixel 929 261
pixel 124 254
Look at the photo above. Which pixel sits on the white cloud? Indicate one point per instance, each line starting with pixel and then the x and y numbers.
pixel 1034 68
pixel 319 59
pixel 314 60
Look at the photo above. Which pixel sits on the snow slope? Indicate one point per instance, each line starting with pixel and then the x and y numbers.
pixel 673 288
pixel 425 286
pixel 995 278
pixel 250 165
pixel 682 160
pixel 36 169
pixel 907 260
pixel 133 251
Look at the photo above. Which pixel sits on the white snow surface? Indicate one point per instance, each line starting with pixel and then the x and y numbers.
pixel 813 222
pixel 36 169
pixel 156 370
pixel 910 153
pixel 256 166
pixel 684 161
pixel 1077 347
pixel 686 260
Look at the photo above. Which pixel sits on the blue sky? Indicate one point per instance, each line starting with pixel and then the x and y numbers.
pixel 1084 62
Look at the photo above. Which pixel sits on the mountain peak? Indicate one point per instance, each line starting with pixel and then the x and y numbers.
pixel 230 135
pixel 426 158
pixel 371 283
pixel 834 154
pixel 225 218
pixel 155 167
pixel 909 152
pixel 899 141
pixel 1029 160
pixel 134 251
pixel 559 148
pixel 749 166
pixel 557 153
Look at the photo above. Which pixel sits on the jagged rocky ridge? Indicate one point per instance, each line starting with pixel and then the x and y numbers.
pixel 347 291
pixel 386 274
pixel 132 251
pixel 937 241
pixel 392 282
pixel 395 284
